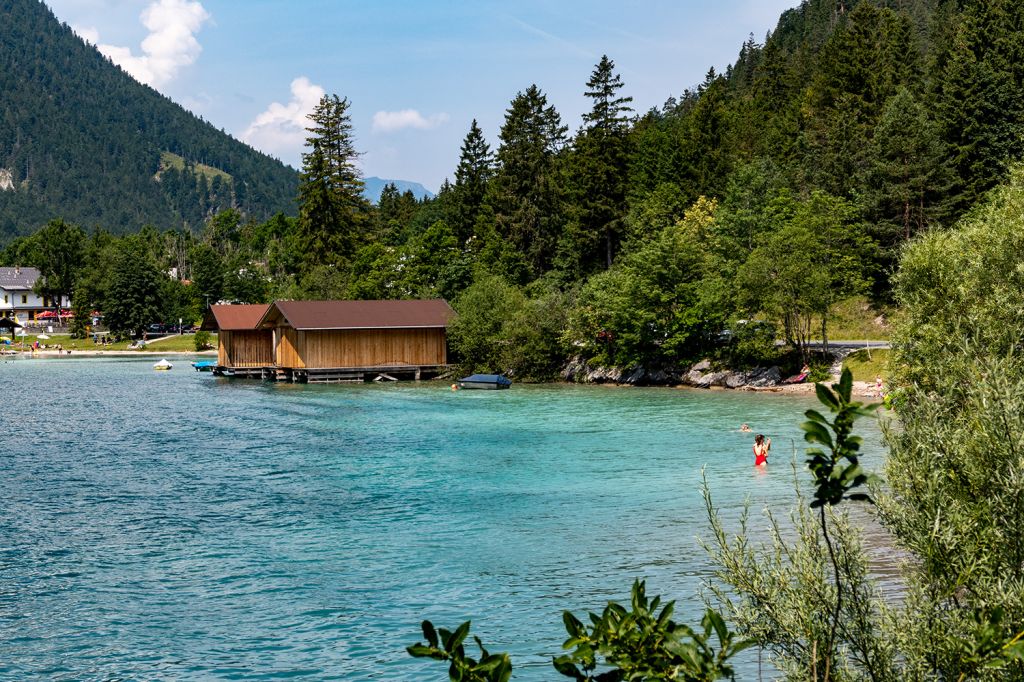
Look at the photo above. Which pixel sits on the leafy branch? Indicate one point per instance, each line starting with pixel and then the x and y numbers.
pixel 836 469
pixel 462 668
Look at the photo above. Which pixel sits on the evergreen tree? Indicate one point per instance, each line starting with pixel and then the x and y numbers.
pixel 705 138
pixel 526 194
pixel 332 212
pixel 475 169
pixel 980 96
pixel 600 173
pixel 909 174
pixel 207 275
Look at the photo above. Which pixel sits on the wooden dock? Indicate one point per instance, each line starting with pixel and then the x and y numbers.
pixel 335 375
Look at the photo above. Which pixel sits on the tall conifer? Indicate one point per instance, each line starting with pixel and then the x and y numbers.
pixel 526 195
pixel 476 167
pixel 600 173
pixel 332 210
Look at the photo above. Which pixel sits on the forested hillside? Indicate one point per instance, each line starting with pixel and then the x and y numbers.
pixel 81 139
pixel 743 209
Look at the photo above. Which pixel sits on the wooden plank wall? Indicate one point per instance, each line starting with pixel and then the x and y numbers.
pixel 362 348
pixel 287 344
pixel 246 349
pixel 223 343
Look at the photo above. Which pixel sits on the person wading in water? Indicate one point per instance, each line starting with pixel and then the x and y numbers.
pixel 761 447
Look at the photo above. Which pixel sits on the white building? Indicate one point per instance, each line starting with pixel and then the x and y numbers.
pixel 17 297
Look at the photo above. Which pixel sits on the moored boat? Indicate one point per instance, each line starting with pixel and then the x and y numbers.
pixel 162 365
pixel 488 382
pixel 204 365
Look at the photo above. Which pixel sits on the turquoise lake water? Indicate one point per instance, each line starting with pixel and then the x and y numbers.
pixel 172 525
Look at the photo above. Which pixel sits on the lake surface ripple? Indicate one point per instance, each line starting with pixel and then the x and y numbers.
pixel 171 525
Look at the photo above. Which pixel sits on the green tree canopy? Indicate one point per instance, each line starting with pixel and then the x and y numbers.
pixel 59 250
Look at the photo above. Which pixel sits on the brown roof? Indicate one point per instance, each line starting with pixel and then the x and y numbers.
pixel 365 314
pixel 235 317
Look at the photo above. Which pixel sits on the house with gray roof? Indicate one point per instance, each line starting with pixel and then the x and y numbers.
pixel 19 299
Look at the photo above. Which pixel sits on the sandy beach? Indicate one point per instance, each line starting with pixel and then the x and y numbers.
pixel 863 389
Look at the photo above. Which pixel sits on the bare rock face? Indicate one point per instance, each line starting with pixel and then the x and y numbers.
pixel 699 375
pixel 6 180
pixel 736 380
pixel 635 376
pixel 702 366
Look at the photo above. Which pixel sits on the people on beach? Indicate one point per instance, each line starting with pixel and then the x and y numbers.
pixel 761 447
pixel 805 371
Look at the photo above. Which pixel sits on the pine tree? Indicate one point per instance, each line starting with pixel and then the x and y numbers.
pixel 909 174
pixel 600 173
pixel 475 169
pixel 526 194
pixel 332 212
pixel 980 96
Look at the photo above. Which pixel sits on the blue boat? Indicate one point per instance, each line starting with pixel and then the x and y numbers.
pixel 204 365
pixel 487 382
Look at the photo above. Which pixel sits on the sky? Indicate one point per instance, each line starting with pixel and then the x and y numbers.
pixel 416 72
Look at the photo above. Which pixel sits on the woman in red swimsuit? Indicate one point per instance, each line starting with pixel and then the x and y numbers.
pixel 761 447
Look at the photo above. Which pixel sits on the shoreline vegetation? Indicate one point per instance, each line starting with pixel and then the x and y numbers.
pixel 952 500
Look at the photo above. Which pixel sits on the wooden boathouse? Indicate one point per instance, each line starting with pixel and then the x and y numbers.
pixel 242 347
pixel 320 341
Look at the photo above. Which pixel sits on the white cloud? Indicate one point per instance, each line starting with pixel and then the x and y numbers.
pixel 281 129
pixel 87 33
pixel 390 121
pixel 170 45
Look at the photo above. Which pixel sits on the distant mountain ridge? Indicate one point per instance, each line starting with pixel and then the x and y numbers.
pixel 373 186
pixel 81 139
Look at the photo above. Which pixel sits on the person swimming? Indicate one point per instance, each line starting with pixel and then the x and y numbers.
pixel 761 447
pixel 745 428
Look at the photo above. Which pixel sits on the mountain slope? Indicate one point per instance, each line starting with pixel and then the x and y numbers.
pixel 374 186
pixel 83 140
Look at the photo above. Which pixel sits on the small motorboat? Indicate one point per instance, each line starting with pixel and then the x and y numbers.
pixel 162 365
pixel 205 365
pixel 487 382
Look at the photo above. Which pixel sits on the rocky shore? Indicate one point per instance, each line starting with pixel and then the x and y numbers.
pixel 699 375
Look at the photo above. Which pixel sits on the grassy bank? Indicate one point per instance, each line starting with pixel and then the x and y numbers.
pixel 855 319
pixel 868 365
pixel 184 343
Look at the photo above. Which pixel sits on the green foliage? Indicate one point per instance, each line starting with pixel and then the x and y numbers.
pixel 640 643
pixel 500 329
pixel 956 494
pixel 133 300
pixel 474 172
pixel 591 240
pixel 807 266
pixel 332 210
pixel 207 274
pixel 59 248
pixel 836 467
pixel 643 643
pixel 776 582
pixel 490 667
pixel 653 305
pixel 526 194
pixel 202 341
pixel 750 343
